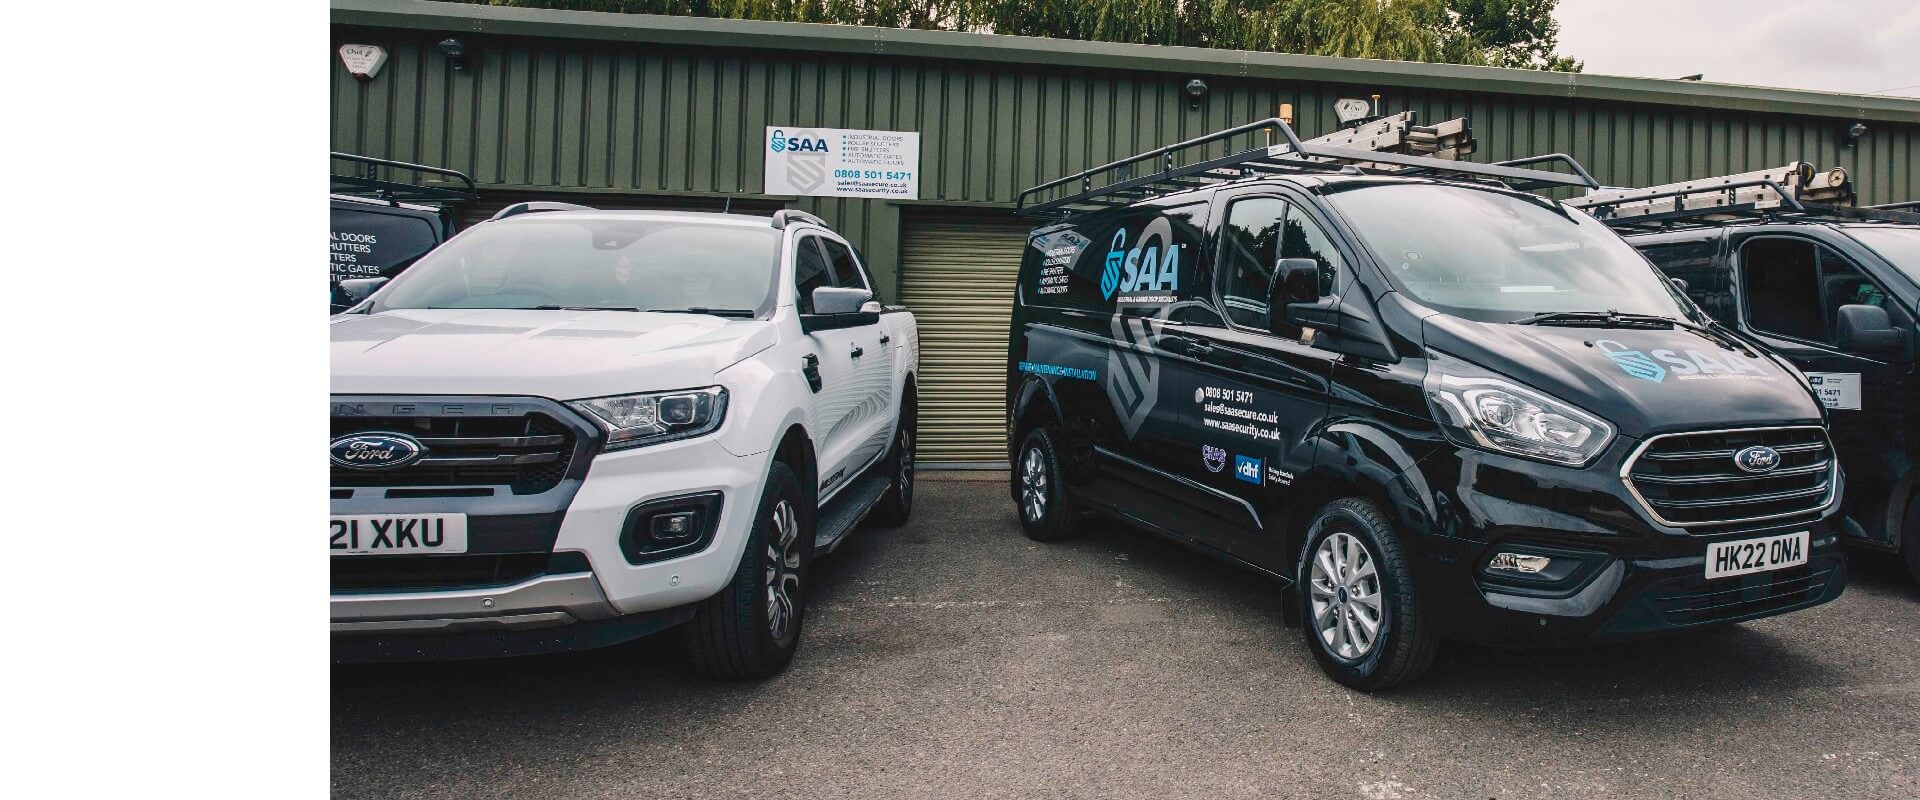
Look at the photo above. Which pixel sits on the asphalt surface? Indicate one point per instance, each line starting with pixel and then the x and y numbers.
pixel 954 658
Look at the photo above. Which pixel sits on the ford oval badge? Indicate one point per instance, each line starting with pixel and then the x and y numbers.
pixel 1758 458
pixel 375 450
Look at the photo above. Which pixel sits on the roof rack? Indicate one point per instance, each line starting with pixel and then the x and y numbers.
pixel 1161 170
pixel 536 207
pixel 1796 191
pixel 366 177
pixel 786 215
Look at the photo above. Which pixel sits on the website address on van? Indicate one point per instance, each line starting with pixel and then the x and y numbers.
pixel 1243 429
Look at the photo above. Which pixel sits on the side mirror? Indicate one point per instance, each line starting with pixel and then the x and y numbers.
pixel 836 307
pixel 1868 329
pixel 1296 281
pixel 354 290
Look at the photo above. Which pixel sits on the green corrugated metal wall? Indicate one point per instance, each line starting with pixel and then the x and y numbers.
pixel 575 115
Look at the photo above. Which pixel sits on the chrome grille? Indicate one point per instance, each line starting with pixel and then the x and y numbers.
pixel 1690 480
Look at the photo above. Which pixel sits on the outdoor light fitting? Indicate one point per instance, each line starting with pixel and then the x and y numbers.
pixel 1196 91
pixel 456 53
pixel 1854 132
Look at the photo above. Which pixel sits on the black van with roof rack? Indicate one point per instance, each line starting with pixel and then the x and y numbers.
pixel 386 215
pixel 1431 405
pixel 1784 256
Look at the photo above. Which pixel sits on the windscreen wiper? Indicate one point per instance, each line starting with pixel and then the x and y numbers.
pixel 587 308
pixel 741 313
pixel 1598 319
pixel 1615 319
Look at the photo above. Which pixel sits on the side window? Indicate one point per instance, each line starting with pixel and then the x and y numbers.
pixel 1250 243
pixel 1303 238
pixel 1141 260
pixel 1794 287
pixel 810 271
pixel 846 271
pixel 1696 263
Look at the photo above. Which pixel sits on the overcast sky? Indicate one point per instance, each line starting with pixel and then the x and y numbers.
pixel 1856 46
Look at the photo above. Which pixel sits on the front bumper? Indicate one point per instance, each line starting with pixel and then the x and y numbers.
pixel 592 591
pixel 1636 577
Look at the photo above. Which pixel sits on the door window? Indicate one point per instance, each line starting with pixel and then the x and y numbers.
pixel 1303 238
pixel 1795 287
pixel 1250 243
pixel 810 271
pixel 846 270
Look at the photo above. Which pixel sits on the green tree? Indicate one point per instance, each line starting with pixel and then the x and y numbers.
pixel 1502 33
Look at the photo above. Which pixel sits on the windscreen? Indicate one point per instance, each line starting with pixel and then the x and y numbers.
pixel 648 264
pixel 1899 246
pixel 1496 257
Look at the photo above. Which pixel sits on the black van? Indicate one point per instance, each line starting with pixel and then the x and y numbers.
pixel 1434 407
pixel 1836 291
pixel 383 221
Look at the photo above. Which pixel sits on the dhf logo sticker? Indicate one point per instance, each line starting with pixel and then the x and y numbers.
pixel 1632 362
pixel 1247 468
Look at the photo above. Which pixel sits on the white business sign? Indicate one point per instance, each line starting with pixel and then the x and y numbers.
pixel 1837 390
pixel 841 162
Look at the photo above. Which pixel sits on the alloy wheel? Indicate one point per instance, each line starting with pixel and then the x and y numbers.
pixel 1033 485
pixel 1345 591
pixel 783 571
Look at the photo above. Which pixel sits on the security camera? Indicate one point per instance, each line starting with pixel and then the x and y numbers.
pixel 456 53
pixel 1854 132
pixel 1196 91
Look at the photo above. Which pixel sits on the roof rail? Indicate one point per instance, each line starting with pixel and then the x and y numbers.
pixel 786 215
pixel 454 187
pixel 1796 191
pixel 1896 206
pixel 535 207
pixel 1161 170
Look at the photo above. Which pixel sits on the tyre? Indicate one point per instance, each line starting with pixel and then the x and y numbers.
pixel 897 504
pixel 1360 615
pixel 751 628
pixel 1047 510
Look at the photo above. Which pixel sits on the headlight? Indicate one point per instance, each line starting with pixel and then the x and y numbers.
pixel 1480 409
pixel 631 420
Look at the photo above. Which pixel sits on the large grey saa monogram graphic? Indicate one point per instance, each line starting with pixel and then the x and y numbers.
pixel 1133 370
pixel 807 170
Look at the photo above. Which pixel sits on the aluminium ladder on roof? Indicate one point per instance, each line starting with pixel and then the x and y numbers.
pixel 1186 165
pixel 1796 190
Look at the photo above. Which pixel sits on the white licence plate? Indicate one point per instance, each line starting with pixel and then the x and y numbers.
pixel 398 534
pixel 1747 556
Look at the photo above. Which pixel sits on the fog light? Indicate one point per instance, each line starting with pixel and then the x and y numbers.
pixel 677 526
pixel 1516 562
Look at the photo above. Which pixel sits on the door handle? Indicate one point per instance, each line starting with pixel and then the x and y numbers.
pixel 1192 347
pixel 859 351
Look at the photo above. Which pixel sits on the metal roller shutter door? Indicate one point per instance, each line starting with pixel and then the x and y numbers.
pixel 957 275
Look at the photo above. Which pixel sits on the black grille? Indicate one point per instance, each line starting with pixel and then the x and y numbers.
pixel 1698 601
pixel 402 573
pixel 528 453
pixel 1690 479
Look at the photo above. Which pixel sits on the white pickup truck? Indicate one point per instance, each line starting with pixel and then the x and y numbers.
pixel 567 428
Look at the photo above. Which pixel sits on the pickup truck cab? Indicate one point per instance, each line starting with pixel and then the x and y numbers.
pixel 1838 295
pixel 566 428
pixel 1429 404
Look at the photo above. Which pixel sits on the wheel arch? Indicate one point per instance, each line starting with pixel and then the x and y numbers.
pixel 1357 459
pixel 1034 405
